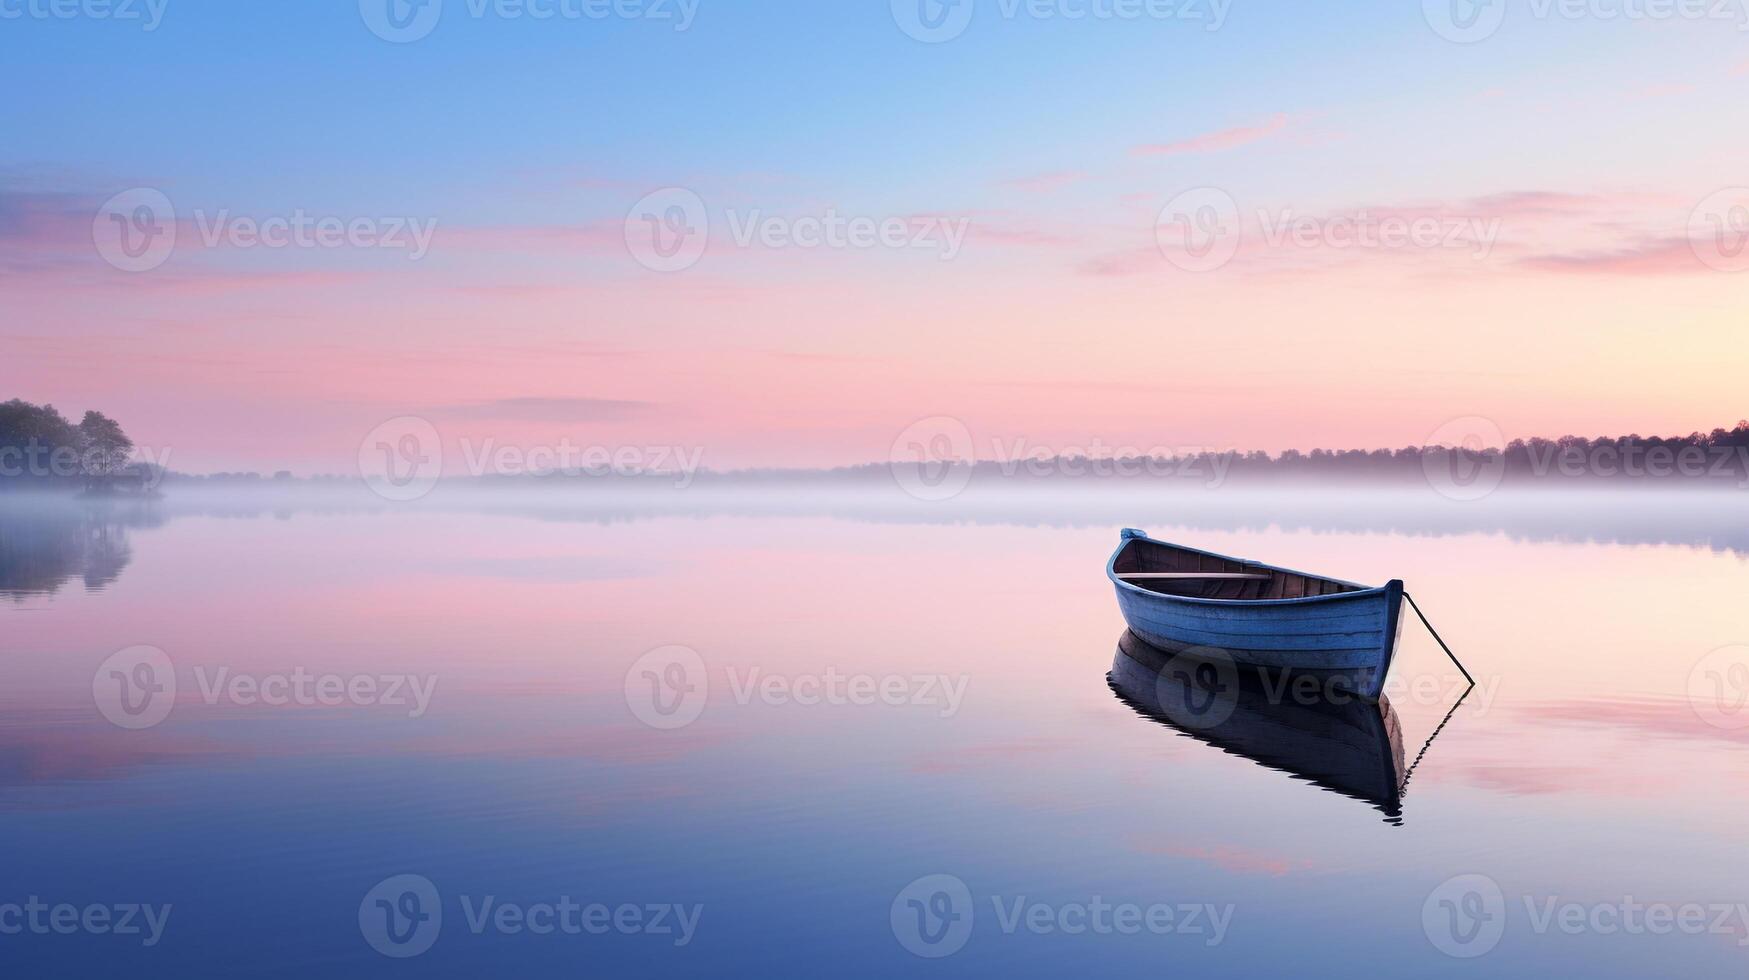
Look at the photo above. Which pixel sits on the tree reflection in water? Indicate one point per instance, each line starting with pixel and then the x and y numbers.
pixel 46 543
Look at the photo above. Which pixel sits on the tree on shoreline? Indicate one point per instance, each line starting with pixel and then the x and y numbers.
pixel 40 447
pixel 106 449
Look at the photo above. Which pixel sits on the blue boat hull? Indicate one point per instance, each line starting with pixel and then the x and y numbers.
pixel 1347 639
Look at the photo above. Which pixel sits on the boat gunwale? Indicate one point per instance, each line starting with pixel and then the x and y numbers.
pixel 1364 591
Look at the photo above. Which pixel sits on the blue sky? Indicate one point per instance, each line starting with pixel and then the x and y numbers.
pixel 1593 136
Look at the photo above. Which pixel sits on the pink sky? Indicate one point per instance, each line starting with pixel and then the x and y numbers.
pixel 1577 295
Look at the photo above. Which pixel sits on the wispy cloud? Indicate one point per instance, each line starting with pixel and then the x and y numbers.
pixel 1044 183
pixel 1653 257
pixel 591 238
pixel 1667 90
pixel 543 410
pixel 1225 139
pixel 1032 237
pixel 1132 262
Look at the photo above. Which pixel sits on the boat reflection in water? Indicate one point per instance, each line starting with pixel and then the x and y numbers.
pixel 1340 743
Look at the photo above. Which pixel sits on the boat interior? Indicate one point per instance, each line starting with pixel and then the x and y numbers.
pixel 1171 570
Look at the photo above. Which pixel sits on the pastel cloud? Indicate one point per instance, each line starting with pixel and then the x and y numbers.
pixel 1654 257
pixel 588 238
pixel 543 410
pixel 1044 183
pixel 1225 139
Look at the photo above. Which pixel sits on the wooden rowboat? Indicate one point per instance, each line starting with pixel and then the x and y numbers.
pixel 1231 610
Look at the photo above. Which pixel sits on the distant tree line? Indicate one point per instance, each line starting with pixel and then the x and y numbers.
pixel 1719 458
pixel 40 447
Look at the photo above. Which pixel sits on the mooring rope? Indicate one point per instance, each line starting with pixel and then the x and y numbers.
pixel 1436 637
pixel 1403 787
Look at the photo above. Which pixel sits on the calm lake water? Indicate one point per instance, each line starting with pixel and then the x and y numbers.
pixel 525 736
